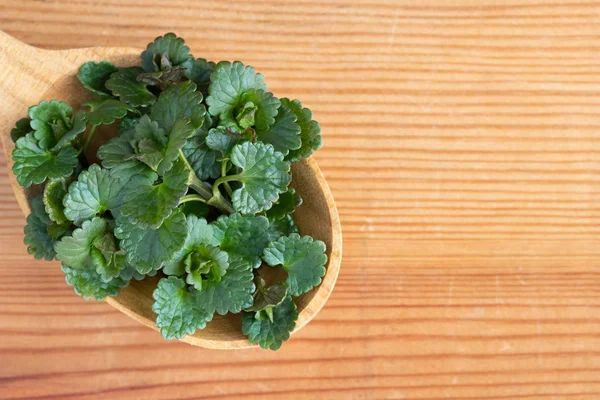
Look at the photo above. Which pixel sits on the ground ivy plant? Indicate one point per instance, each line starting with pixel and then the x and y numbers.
pixel 195 188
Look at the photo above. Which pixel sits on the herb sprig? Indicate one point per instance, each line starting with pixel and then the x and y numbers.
pixel 195 188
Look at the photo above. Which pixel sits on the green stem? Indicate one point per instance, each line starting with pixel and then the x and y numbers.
pixel 224 179
pixel 192 197
pixel 223 173
pixel 89 138
pixel 217 200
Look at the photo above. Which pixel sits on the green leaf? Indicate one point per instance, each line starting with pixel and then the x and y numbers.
pixel 265 107
pixel 106 111
pixel 78 127
pixel 271 333
pixel 76 250
pixel 117 156
pixel 196 208
pixel 286 204
pixel 148 249
pixel 199 233
pixel 179 101
pixel 106 257
pixel 34 163
pixel 181 132
pixel 39 242
pixel 267 297
pixel 89 284
pixel 94 75
pixel 232 292
pixel 172 46
pixel 264 176
pixel 205 264
pixel 199 71
pixel 21 129
pixel 303 259
pixel 178 312
pixel 124 85
pixel 281 227
pixel 222 140
pixel 95 191
pixel 310 132
pixel 244 235
pixel 54 193
pixel 284 135
pixel 50 121
pixel 202 159
pixel 230 83
pixel 147 204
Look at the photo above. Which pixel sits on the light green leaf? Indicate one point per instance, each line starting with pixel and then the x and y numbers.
pixel 106 111
pixel 179 101
pixel 147 204
pixel 202 159
pixel 303 259
pixel 267 296
pixel 284 135
pixel 232 292
pixel 244 235
pixel 21 129
pixel 230 82
pixel 50 121
pixel 264 176
pixel 178 313
pixel 281 227
pixel 149 249
pixel 75 250
pixel 34 163
pixel 124 85
pixel 205 264
pixel 200 233
pixel 95 191
pixel 172 46
pixel 271 333
pixel 94 75
pixel 54 193
pixel 117 155
pixel 78 127
pixel 106 257
pixel 310 132
pixel 89 284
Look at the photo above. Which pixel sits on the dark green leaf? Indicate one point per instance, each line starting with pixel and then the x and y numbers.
pixel 170 45
pixel 244 235
pixel 78 127
pixel 267 296
pixel 54 193
pixel 88 283
pixel 199 71
pixel 284 135
pixel 281 227
pixel 310 132
pixel 50 121
pixel 202 159
pixel 124 84
pixel 94 75
pixel 106 111
pixel 21 129
pixel 179 101
pixel 270 334
pixel 39 242
pixel 286 204
pixel 222 140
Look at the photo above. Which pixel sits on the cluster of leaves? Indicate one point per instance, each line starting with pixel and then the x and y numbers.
pixel 195 187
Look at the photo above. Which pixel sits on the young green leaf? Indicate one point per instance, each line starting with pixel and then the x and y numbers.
pixel 202 159
pixel 270 333
pixel 284 135
pixel 267 296
pixel 310 131
pixel 171 46
pixel 199 71
pixel 178 312
pixel 199 233
pixel 95 191
pixel 89 284
pixel 34 163
pixel 50 121
pixel 94 75
pixel 205 264
pixel 106 257
pixel 78 127
pixel 39 242
pixel 124 85
pixel 222 140
pixel 54 193
pixel 244 235
pixel 232 292
pixel 264 176
pixel 147 204
pixel 76 250
pixel 21 129
pixel 230 83
pixel 301 257
pixel 179 101
pixel 106 111
pixel 149 249
pixel 286 204
pixel 281 227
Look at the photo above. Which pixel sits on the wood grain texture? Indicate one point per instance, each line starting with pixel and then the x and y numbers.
pixel 461 146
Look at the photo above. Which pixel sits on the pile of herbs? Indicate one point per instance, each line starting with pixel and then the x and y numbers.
pixel 195 188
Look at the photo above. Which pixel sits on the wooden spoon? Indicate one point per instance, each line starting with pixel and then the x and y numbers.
pixel 29 75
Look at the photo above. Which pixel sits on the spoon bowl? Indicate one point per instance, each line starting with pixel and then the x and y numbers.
pixel 30 75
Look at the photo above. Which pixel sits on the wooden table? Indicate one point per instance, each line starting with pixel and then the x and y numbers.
pixel 461 145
